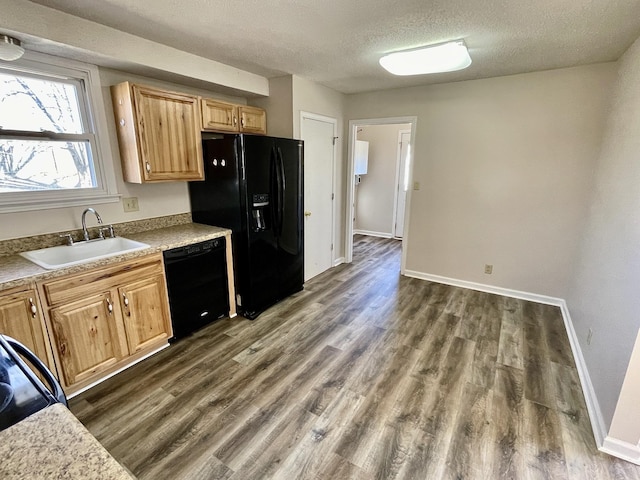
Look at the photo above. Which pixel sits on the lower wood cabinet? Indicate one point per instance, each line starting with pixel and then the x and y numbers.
pixel 21 318
pixel 89 337
pixel 145 312
pixel 103 319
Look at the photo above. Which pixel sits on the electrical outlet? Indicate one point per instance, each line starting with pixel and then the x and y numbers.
pixel 488 269
pixel 130 204
pixel 589 336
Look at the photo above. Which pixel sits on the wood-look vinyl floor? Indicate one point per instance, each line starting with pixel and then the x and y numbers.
pixel 363 375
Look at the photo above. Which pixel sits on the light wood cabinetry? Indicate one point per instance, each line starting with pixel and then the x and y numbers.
pixel 252 119
pixel 221 116
pixel 88 337
pixel 145 312
pixel 158 133
pixel 103 319
pixel 21 318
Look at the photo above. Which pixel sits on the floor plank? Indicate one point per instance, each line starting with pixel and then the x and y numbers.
pixel 365 374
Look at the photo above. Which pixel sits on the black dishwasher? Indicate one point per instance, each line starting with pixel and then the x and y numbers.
pixel 197 285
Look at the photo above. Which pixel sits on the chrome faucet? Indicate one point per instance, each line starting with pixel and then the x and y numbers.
pixel 84 222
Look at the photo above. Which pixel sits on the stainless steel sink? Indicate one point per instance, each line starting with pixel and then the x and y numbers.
pixel 62 256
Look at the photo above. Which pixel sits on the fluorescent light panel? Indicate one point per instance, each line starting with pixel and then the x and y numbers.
pixel 444 57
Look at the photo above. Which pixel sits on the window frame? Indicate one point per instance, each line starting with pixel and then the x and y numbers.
pixel 96 132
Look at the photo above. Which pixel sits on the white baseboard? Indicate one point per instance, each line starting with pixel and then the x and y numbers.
pixel 612 447
pixel 624 450
pixel 106 377
pixel 533 297
pixel 593 407
pixel 338 261
pixel 373 234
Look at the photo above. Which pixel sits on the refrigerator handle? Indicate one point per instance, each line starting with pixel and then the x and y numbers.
pixel 275 189
pixel 281 190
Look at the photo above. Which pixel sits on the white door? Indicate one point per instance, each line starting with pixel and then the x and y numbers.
pixel 318 133
pixel 403 182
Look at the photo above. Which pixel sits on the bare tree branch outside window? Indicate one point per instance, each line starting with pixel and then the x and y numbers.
pixel 32 104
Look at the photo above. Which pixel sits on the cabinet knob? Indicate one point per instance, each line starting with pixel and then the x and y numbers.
pixel 109 306
pixel 147 165
pixel 122 122
pixel 33 308
pixel 125 301
pixel 307 213
pixel 235 121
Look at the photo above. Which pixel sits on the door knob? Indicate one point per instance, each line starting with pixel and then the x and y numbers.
pixel 307 213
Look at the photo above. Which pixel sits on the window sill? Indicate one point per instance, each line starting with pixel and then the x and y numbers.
pixel 45 204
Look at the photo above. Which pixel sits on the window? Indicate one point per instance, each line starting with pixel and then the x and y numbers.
pixel 50 153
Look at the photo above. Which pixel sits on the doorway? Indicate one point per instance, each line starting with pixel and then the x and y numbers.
pixel 319 135
pixel 402 182
pixel 401 198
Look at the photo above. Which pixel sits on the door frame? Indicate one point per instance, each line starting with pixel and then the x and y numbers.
pixel 398 180
pixel 334 121
pixel 353 126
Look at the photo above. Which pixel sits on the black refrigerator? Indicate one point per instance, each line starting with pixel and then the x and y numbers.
pixel 254 186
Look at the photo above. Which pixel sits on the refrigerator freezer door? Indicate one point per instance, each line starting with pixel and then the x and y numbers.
pixel 217 201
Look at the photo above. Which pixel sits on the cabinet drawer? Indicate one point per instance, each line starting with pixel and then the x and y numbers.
pixel 100 279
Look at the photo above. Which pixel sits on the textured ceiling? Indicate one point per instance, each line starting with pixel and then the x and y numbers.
pixel 338 42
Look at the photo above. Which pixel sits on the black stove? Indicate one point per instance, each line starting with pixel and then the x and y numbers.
pixel 21 392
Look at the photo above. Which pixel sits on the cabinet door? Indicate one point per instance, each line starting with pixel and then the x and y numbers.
pixel 146 314
pixel 168 135
pixel 21 319
pixel 88 337
pixel 253 120
pixel 219 116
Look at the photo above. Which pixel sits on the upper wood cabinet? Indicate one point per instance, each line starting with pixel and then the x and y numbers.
pixel 219 116
pixel 21 319
pixel 252 119
pixel 158 134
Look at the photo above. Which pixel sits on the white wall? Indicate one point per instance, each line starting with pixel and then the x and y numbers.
pixel 505 167
pixel 375 194
pixel 604 292
pixel 155 200
pixel 312 97
pixel 279 107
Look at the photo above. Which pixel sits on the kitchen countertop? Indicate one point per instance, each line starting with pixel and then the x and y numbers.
pixel 16 271
pixel 52 444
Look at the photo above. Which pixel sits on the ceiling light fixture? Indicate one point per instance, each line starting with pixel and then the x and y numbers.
pixel 443 57
pixel 10 48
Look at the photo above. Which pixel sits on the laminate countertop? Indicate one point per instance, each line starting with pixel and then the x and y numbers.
pixel 16 271
pixel 53 445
